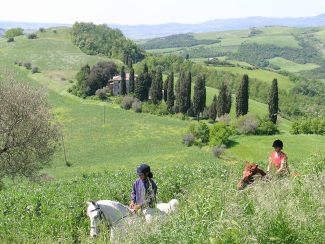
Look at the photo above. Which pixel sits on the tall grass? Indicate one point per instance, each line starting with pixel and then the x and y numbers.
pixel 283 210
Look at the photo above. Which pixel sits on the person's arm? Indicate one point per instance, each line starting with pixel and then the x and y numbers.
pixel 133 196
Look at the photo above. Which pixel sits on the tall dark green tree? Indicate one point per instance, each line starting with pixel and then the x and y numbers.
pixel 223 100
pixel 213 108
pixel 199 96
pixel 273 101
pixel 123 82
pixel 156 87
pixel 242 97
pixel 165 87
pixel 131 81
pixel 142 84
pixel 183 90
pixel 188 88
pixel 170 92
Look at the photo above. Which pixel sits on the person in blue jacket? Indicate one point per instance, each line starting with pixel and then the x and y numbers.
pixel 144 190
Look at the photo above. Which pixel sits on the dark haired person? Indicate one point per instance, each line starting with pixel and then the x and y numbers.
pixel 144 191
pixel 278 159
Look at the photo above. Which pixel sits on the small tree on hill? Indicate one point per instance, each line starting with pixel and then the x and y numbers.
pixel 170 92
pixel 142 85
pixel 213 108
pixel 223 100
pixel 156 87
pixel 273 101
pixel 242 97
pixel 131 81
pixel 183 91
pixel 199 97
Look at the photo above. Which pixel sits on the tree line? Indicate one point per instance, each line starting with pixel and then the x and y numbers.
pixel 174 41
pixel 101 39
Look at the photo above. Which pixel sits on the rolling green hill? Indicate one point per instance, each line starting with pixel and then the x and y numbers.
pixel 104 143
pixel 287 39
pixel 125 138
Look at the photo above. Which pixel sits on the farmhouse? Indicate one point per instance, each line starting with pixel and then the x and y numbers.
pixel 115 83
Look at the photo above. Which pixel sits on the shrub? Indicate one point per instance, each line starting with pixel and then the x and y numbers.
pixel 137 106
pixel 267 127
pixel 28 65
pixel 41 29
pixel 32 36
pixel 247 124
pixel 10 39
pixel 157 109
pixel 220 133
pixel 201 132
pixel 308 126
pixel 34 69
pixel 102 93
pixel 217 151
pixel 225 119
pixel 127 102
pixel 188 139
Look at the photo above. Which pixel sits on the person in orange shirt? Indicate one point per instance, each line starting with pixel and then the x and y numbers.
pixel 278 159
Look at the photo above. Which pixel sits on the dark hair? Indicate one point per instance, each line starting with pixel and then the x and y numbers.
pixel 277 143
pixel 144 169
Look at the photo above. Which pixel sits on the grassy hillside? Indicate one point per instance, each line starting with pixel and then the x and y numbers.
pixel 105 143
pixel 124 138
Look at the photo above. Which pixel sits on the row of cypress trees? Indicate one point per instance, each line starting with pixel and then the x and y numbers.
pixel 151 84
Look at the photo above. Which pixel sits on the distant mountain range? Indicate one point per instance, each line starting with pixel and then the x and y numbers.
pixel 152 31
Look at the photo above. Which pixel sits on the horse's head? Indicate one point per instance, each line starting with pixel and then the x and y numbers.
pixel 94 213
pixel 250 170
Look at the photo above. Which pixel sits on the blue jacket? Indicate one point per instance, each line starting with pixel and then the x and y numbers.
pixel 143 193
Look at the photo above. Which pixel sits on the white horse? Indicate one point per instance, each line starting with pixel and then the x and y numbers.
pixel 119 216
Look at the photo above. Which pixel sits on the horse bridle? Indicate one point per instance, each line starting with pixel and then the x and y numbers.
pixel 101 214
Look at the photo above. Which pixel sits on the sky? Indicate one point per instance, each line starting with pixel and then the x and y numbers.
pixel 152 12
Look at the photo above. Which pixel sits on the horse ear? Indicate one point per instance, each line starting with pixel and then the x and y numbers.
pixel 91 202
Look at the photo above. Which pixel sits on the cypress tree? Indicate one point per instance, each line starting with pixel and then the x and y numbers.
pixel 183 102
pixel 165 89
pixel 199 96
pixel 147 78
pixel 170 92
pixel 188 87
pixel 131 81
pixel 139 88
pixel 213 108
pixel 123 82
pixel 156 87
pixel 223 100
pixel 142 85
pixel 242 97
pixel 273 101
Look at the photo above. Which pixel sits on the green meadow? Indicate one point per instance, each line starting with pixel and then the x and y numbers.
pixel 104 143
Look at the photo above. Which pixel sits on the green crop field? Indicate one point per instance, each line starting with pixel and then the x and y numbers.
pixel 292 67
pixel 104 143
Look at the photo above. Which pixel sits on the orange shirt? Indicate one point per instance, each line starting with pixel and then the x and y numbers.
pixel 277 158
